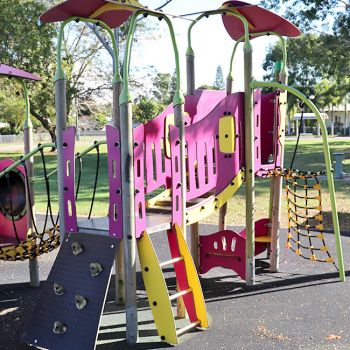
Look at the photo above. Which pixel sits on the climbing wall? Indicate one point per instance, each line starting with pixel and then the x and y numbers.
pixel 68 312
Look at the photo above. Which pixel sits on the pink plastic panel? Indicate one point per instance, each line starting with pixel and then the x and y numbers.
pixel 207 168
pixel 176 204
pixel 83 8
pixel 223 249
pixel 202 103
pixel 139 176
pixel 6 225
pixel 260 19
pixel 158 167
pixel 70 212
pixel 15 72
pixel 115 185
pixel 257 129
pixel 269 133
pixel 181 275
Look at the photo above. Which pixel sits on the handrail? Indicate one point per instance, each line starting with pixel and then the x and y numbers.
pixel 125 95
pixel 255 35
pixel 313 108
pixel 78 155
pixel 215 12
pixel 59 70
pixel 25 157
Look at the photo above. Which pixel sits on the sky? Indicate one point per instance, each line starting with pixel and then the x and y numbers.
pixel 210 41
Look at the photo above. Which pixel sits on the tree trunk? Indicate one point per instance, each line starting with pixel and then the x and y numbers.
pixel 46 123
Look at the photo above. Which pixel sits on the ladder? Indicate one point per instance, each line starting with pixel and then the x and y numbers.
pixel 188 282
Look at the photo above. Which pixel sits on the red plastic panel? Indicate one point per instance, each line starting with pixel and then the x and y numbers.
pixel 115 183
pixel 228 248
pixel 260 20
pixel 6 225
pixel 181 276
pixel 223 249
pixel 139 176
pixel 70 212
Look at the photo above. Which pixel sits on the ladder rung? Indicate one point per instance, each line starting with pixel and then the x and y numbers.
pixel 180 294
pixel 171 261
pixel 187 328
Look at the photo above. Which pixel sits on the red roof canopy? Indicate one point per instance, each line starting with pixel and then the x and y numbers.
pixel 14 72
pixel 113 14
pixel 259 19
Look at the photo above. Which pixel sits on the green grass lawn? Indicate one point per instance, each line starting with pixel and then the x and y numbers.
pixel 309 157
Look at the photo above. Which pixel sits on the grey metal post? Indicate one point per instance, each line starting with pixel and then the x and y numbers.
pixel 190 72
pixel 28 146
pixel 194 229
pixel 61 125
pixel 249 162
pixel 223 209
pixel 128 201
pixel 119 258
pixel 276 183
pixel 179 122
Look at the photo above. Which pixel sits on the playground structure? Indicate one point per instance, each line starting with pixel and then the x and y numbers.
pixel 199 151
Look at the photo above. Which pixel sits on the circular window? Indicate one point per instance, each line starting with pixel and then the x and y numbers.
pixel 13 195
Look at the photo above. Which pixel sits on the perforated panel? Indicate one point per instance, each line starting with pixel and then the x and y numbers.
pixel 72 272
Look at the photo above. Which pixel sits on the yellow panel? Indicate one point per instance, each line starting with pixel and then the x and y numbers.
pixel 134 5
pixel 161 196
pixel 199 212
pixel 227 134
pixel 193 280
pixel 157 290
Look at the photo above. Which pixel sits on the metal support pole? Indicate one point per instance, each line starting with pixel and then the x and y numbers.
pixel 179 122
pixel 119 265
pixel 190 71
pixel 249 162
pixel 28 147
pixel 127 172
pixel 276 181
pixel 61 125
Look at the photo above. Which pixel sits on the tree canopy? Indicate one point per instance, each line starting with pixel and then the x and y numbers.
pixel 318 62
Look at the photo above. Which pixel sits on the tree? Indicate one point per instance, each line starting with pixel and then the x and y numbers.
pixel 146 109
pixel 219 82
pixel 164 87
pixel 26 46
pixel 317 61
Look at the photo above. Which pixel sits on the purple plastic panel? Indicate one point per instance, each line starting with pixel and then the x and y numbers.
pixel 15 72
pixel 176 176
pixel 139 176
pixel 223 249
pixel 207 168
pixel 70 212
pixel 115 213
